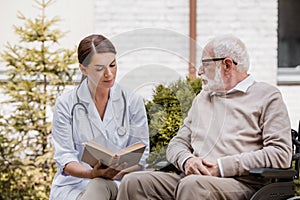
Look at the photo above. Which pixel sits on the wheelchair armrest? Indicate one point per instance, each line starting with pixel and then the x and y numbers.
pixel 166 166
pixel 273 173
pixel 162 164
pixel 296 156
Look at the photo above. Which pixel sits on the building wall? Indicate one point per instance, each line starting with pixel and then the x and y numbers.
pixel 254 21
pixel 77 19
pixel 152 36
pixel 291 96
pixel 151 39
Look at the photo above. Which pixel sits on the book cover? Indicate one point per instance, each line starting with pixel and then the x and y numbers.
pixel 94 152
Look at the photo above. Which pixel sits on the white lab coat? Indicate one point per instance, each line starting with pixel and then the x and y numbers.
pixel 69 144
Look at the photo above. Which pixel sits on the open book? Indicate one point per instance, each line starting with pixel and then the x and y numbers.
pixel 94 152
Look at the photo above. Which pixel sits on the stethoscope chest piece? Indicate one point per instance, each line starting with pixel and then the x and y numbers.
pixel 121 131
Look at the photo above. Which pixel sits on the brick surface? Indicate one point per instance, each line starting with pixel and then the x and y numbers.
pixel 254 21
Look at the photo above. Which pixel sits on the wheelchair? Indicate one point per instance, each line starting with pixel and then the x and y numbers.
pixel 280 183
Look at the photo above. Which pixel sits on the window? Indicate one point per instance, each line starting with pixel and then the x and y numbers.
pixel 288 42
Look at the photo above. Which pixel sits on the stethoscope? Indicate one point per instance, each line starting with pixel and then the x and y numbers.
pixel 121 130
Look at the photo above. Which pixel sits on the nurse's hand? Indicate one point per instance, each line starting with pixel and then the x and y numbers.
pixel 108 172
pixel 122 173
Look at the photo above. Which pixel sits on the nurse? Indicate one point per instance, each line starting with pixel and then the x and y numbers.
pixel 99 110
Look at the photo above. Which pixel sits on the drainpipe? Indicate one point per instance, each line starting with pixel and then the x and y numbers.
pixel 193 34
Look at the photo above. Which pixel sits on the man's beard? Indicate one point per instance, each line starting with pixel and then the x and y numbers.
pixel 213 85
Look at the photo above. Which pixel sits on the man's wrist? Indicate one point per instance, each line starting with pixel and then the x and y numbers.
pixel 183 166
pixel 217 170
pixel 184 162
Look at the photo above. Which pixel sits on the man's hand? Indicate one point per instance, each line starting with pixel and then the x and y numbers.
pixel 196 165
pixel 212 168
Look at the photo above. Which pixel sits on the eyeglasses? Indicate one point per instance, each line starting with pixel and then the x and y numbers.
pixel 217 59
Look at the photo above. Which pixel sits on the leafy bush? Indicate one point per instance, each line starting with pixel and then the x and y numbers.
pixel 166 113
pixel 37 70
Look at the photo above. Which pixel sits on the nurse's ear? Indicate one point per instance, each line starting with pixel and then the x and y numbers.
pixel 82 69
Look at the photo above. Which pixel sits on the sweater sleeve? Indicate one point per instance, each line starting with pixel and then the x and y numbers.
pixel 276 140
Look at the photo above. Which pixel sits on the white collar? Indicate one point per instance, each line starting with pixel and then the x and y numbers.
pixel 241 86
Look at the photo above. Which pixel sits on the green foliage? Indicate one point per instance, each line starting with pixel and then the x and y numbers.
pixel 37 71
pixel 166 113
pixel 296 181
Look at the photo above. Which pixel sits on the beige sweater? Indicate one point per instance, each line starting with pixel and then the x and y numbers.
pixel 242 130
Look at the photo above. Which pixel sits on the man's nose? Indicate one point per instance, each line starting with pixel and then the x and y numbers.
pixel 200 71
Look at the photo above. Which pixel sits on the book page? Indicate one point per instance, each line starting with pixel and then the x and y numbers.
pixel 132 147
pixel 94 153
pixel 133 156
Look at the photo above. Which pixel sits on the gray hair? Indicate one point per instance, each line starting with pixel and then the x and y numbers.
pixel 233 47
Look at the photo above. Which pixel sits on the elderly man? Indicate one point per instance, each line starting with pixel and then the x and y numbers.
pixel 234 124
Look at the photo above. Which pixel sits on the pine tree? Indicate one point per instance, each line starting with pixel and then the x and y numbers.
pixel 38 70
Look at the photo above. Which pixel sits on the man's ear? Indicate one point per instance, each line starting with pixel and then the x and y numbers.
pixel 228 64
pixel 82 69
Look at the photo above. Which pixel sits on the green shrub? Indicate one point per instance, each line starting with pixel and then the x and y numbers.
pixel 166 112
pixel 37 70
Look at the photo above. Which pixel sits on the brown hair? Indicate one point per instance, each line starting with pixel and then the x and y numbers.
pixel 90 45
